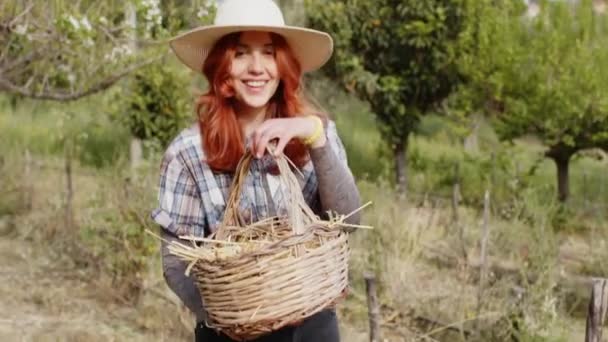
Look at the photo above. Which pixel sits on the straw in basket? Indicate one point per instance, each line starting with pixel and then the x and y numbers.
pixel 256 278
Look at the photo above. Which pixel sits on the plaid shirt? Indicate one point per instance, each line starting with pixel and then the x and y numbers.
pixel 192 197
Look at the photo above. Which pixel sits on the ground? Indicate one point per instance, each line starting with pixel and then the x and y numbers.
pixel 43 300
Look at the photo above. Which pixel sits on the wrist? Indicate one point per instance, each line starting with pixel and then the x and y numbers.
pixel 320 142
pixel 317 137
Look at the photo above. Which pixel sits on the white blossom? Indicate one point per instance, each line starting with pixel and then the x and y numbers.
pixel 74 22
pixel 118 52
pixel 152 14
pixel 86 24
pixel 20 29
pixel 202 12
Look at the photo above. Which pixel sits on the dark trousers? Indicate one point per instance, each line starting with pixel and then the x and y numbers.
pixel 321 327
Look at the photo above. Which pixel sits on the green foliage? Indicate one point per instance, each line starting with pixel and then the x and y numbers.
pixel 69 48
pixel 558 85
pixel 101 143
pixel 397 55
pixel 44 129
pixel 367 153
pixel 156 105
pixel 542 76
pixel 74 50
pixel 117 239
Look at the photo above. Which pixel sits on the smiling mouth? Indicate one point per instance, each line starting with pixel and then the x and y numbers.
pixel 255 84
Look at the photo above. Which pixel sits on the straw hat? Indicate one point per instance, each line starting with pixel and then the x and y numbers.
pixel 312 48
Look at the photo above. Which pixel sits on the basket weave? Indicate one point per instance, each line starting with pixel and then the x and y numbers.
pixel 273 282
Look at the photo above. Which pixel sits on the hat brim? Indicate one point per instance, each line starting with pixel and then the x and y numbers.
pixel 312 48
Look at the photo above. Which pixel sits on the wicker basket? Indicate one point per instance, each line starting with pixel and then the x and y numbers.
pixel 284 270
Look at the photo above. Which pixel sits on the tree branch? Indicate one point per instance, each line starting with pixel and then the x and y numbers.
pixel 7 86
pixel 16 18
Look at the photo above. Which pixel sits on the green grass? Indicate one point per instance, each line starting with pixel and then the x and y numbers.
pixel 396 249
pixel 356 127
pixel 44 128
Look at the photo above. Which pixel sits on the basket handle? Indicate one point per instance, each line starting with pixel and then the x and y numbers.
pixel 299 213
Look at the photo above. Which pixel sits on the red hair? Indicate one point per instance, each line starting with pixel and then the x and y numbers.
pixel 222 139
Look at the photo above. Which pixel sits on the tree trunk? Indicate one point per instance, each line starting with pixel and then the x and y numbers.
pixel 471 142
pixel 400 155
pixel 563 187
pixel 135 154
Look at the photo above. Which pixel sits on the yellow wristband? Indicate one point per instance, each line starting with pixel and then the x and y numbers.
pixel 317 133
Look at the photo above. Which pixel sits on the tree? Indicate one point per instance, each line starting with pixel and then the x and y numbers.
pixel 399 55
pixel 544 76
pixel 60 51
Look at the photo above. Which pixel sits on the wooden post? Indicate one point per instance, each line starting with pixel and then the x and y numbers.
pixel 69 218
pixel 373 308
pixel 459 228
pixel 135 147
pixel 493 174
pixel 597 310
pixel 483 259
pixel 585 192
pixel 455 195
pixel 28 180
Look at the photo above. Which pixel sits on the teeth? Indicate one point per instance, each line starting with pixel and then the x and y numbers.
pixel 255 83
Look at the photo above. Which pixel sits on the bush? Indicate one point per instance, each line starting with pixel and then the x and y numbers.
pixel 156 104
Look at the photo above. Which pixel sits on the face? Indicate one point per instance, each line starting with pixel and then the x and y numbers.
pixel 254 69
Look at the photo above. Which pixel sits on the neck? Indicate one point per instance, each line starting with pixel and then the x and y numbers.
pixel 250 118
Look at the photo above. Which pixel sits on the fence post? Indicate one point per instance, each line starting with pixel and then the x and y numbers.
pixel 484 247
pixel 585 192
pixel 597 310
pixel 459 228
pixel 455 200
pixel 373 308
pixel 69 217
pixel 28 180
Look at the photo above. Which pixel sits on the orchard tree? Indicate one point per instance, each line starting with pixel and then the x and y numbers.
pixel 399 55
pixel 63 51
pixel 544 76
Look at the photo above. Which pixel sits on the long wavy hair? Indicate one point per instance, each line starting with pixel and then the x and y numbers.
pixel 222 139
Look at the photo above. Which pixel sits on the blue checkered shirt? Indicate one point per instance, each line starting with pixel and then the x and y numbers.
pixel 192 197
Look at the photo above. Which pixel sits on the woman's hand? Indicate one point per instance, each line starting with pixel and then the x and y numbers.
pixel 284 129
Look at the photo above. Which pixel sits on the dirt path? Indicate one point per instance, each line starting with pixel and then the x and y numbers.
pixel 42 302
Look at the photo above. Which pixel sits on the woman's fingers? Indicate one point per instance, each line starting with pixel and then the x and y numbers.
pixel 268 131
pixel 263 139
pixel 283 140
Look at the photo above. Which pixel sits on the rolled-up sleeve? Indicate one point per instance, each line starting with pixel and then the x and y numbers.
pixel 180 210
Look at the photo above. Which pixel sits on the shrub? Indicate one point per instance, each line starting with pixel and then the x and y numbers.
pixel 156 104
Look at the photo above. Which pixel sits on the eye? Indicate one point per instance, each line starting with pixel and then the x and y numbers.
pixel 269 51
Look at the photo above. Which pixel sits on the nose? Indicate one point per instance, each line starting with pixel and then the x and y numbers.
pixel 255 65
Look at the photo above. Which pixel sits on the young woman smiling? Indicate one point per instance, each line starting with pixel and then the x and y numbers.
pixel 253 63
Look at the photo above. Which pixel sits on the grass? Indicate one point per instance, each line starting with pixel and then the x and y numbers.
pixel 415 250
pixel 44 128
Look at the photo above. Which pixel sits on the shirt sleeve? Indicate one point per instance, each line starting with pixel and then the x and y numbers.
pixel 180 210
pixel 336 185
pixel 336 144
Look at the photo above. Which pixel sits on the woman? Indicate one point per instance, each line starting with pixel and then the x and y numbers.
pixel 253 64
